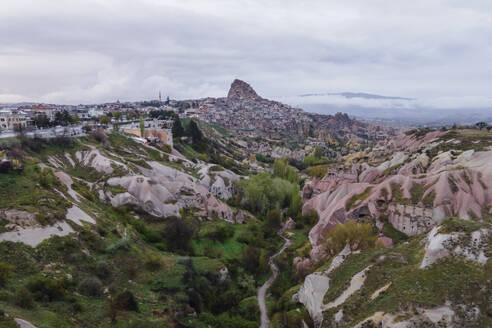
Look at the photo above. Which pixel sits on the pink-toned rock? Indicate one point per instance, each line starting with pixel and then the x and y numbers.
pixel 216 207
pixel 386 241
pixel 455 184
pixel 241 90
pixel 290 224
pixel 302 264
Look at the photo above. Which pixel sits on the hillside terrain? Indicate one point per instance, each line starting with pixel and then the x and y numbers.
pixel 243 110
pixel 425 199
pixel 107 231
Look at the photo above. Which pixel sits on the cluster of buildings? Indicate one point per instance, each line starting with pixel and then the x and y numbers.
pixel 24 116
pixel 260 115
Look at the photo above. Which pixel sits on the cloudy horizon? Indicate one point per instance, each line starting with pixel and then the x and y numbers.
pixel 72 52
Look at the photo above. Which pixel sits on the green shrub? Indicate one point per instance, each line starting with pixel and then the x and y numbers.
pixel 283 170
pixel 454 224
pixel 125 301
pixel 216 168
pixel 262 193
pixel 153 262
pixel 103 270
pixel 178 234
pixel 221 233
pixel 318 171
pixel 46 289
pixel 355 234
pixel 91 286
pixel 263 159
pixel 416 193
pixel 24 299
pixel 6 272
pixel 122 244
pixel 166 148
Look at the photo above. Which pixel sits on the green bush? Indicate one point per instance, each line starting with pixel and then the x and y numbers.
pixel 178 234
pixel 24 299
pixel 125 301
pixel 283 170
pixel 454 224
pixel 263 159
pixel 153 262
pixel 355 234
pixel 6 272
pixel 216 168
pixel 91 286
pixel 318 171
pixel 262 193
pixel 46 289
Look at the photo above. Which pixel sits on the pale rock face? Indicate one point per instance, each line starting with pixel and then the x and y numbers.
pixel 315 287
pixel 437 316
pixel 411 220
pixel 398 159
pixel 224 273
pixel 18 217
pixel 218 208
pixel 356 283
pixel 75 214
pixel 33 236
pixel 23 323
pixel 162 191
pixel 145 193
pixel 67 181
pixel 440 245
pixel 96 160
pixel 386 241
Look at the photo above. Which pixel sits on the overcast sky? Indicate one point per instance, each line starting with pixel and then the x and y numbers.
pixel 91 51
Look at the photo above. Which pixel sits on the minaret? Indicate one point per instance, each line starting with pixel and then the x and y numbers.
pixel 160 97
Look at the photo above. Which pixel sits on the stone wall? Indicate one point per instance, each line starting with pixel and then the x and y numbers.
pixel 410 220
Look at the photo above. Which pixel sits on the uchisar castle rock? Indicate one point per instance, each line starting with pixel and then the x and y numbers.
pixel 259 215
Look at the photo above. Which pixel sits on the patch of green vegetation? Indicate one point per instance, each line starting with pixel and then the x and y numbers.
pixel 416 193
pixel 428 200
pixel 392 170
pixel 116 189
pixel 360 235
pixel 357 198
pixel 216 168
pixel 390 231
pixel 33 190
pixel 221 130
pixel 210 243
pixel 264 159
pixel 397 194
pixel 451 279
pixel 318 171
pixel 454 224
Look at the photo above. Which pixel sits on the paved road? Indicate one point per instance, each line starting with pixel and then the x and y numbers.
pixel 265 321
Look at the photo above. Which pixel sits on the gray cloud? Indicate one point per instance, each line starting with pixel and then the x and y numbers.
pixel 91 51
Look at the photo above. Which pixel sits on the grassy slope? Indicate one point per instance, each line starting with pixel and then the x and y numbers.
pixel 159 291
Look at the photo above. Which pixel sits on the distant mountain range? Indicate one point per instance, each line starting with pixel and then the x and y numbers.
pixel 350 95
pixel 389 110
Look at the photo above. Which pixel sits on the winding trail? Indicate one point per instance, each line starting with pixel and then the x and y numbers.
pixel 265 321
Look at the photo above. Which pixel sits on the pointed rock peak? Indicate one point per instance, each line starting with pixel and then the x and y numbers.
pixel 242 90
